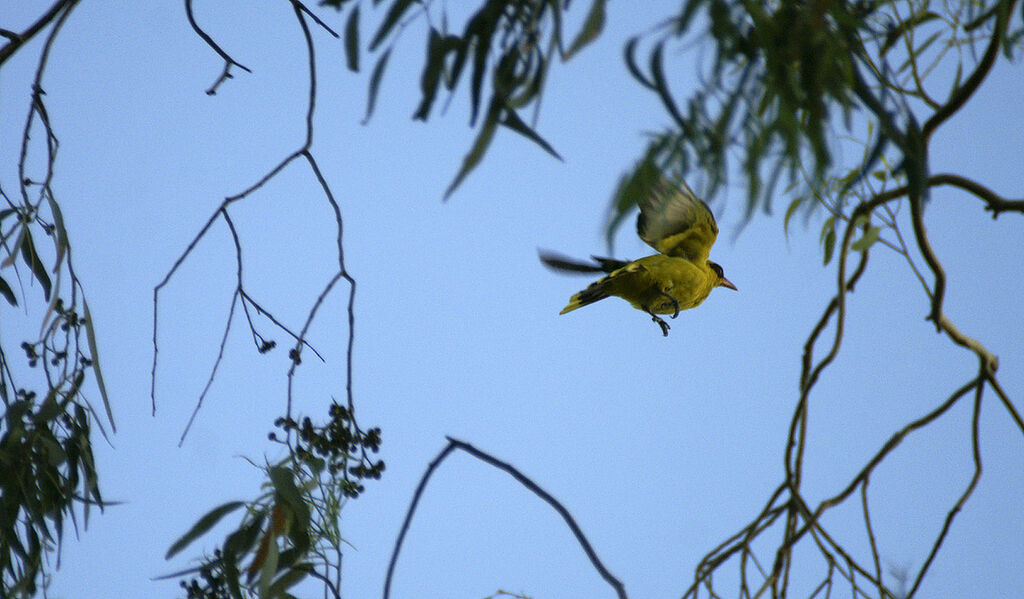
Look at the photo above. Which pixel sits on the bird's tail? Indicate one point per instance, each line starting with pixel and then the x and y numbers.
pixel 596 291
pixel 564 264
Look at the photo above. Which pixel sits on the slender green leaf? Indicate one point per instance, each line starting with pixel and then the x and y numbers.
pixel 31 258
pixel 94 355
pixel 591 29
pixel 180 573
pixel 633 186
pixel 511 120
pixel 476 152
pixel 870 237
pixel 268 569
pixel 202 526
pixel 241 541
pixel 352 39
pixel 5 290
pixel 9 260
pixel 62 234
pixel 789 214
pixel 634 69
pixel 289 579
pixel 375 77
pixel 830 245
pixel 390 20
pixel 661 84
pixel 830 224
pixel 437 48
pixel 288 495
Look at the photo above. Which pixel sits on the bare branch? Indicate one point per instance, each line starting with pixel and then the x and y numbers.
pixel 522 479
pixel 17 40
pixel 976 453
pixel 228 61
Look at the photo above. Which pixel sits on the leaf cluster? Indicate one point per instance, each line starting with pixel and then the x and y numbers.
pixel 288 533
pixel 786 78
pixel 339 446
pixel 505 50
pixel 46 469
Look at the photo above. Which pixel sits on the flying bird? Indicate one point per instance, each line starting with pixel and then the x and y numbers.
pixel 681 227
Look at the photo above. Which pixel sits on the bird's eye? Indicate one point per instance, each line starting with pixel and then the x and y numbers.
pixel 718 269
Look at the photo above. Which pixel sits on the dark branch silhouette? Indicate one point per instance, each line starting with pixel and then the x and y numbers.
pixel 524 480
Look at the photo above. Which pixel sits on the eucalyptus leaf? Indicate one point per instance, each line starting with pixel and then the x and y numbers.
pixel 352 39
pixel 867 240
pixel 204 524
pixel 591 29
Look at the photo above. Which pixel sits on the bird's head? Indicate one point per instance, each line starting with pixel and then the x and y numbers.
pixel 722 281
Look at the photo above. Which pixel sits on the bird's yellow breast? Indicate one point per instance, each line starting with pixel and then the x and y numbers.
pixel 644 283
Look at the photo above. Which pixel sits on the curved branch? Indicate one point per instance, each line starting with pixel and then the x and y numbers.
pixel 994 202
pixel 965 91
pixel 526 482
pixel 976 454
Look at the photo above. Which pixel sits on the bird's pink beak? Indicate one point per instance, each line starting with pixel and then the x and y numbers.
pixel 727 283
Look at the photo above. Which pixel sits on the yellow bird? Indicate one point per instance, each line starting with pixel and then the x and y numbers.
pixel 681 227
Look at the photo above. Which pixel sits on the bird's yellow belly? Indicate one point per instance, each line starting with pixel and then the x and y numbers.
pixel 685 282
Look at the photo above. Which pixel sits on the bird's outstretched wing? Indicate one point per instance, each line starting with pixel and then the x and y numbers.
pixel 676 222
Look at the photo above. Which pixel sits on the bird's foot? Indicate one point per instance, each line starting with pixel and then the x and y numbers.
pixel 661 323
pixel 675 304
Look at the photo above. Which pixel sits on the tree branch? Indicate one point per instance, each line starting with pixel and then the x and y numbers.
pixel 522 479
pixel 20 39
pixel 965 91
pixel 228 61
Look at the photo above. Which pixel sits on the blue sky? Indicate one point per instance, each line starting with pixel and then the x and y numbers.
pixel 660 447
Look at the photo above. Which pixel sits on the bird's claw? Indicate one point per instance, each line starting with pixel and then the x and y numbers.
pixel 675 304
pixel 661 323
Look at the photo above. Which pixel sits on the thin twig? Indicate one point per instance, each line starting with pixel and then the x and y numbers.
pixel 228 61
pixel 976 453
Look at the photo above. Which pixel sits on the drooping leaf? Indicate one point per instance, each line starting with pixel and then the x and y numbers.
pixel 61 232
pixel 94 355
pixel 289 579
pixel 9 260
pixel 31 258
pixel 202 526
pixel 5 290
pixel 480 29
pixel 632 186
pixel 268 568
pixel 438 47
pixel 352 39
pixel 241 541
pixel 511 120
pixel 390 20
pixel 796 203
pixel 591 29
pixel 830 244
pixel 476 152
pixel 288 496
pixel 375 77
